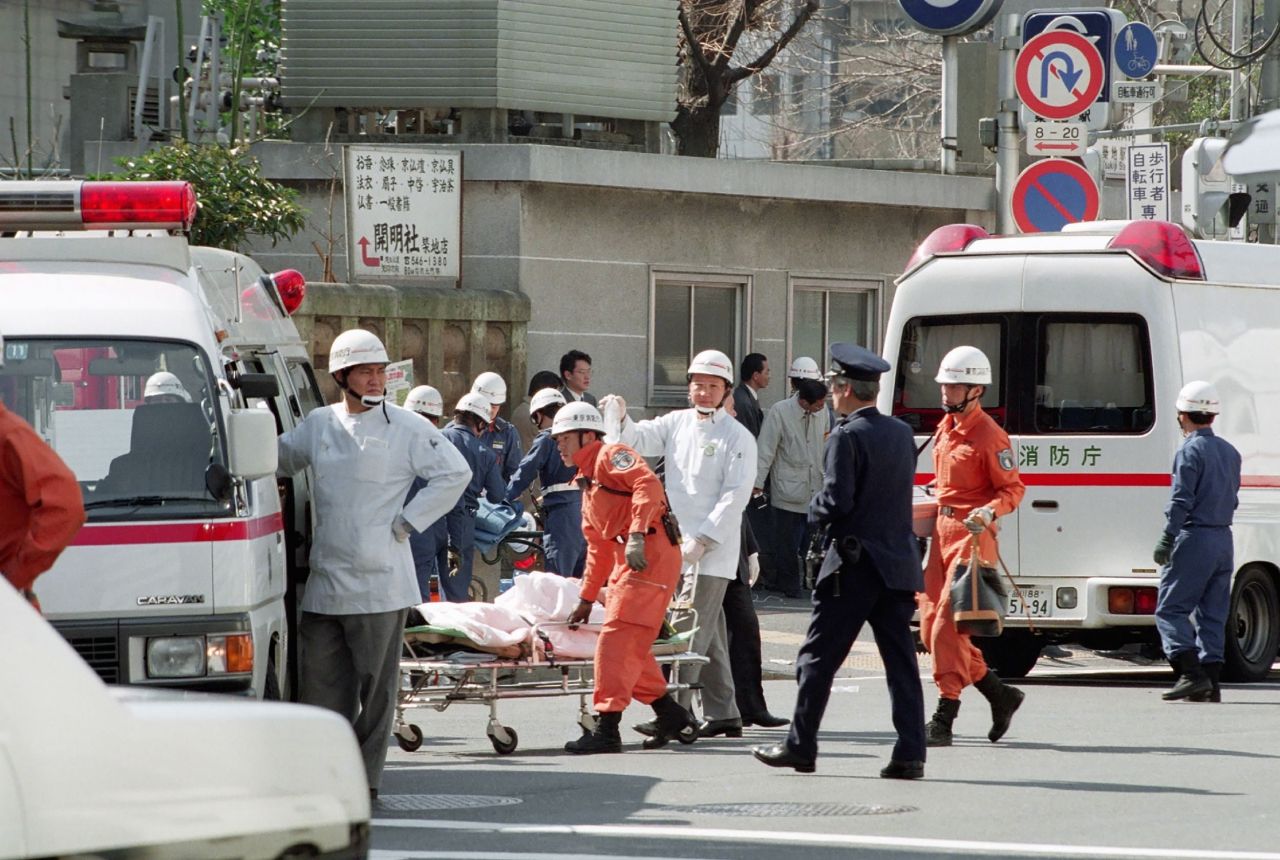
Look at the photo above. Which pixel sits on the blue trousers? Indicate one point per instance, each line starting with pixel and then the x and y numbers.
pixel 565 546
pixel 462 539
pixel 1194 596
pixel 430 555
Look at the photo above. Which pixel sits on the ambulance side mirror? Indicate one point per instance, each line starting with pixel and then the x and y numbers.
pixel 251 443
pixel 262 385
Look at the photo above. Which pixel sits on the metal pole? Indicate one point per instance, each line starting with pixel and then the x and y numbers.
pixel 1007 29
pixel 950 102
pixel 1239 78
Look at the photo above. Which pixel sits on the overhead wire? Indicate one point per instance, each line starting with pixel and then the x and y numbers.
pixel 1239 60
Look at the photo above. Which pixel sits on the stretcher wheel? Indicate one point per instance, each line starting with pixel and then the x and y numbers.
pixel 409 738
pixel 502 747
pixel 688 735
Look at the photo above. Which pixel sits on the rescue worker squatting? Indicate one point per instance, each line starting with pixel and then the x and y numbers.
pixel 976 481
pixel 469 418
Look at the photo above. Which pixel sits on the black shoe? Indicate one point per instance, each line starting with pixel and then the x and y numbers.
pixel 674 722
pixel 902 769
pixel 778 755
pixel 1214 671
pixel 728 728
pixel 1194 681
pixel 765 720
pixel 605 738
pixel 938 732
pixel 1004 700
pixel 648 729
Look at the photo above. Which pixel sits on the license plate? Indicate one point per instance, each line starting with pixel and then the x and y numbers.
pixel 1035 602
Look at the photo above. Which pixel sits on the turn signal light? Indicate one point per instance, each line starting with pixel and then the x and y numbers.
pixel 1162 247
pixel 951 239
pixel 230 654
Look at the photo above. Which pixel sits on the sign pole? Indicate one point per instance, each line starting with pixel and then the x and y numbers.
pixel 950 102
pixel 1006 122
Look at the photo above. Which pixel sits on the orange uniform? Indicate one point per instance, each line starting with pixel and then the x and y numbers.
pixel 625 496
pixel 41 508
pixel 975 467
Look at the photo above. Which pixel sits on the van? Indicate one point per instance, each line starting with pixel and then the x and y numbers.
pixel 184 572
pixel 1091 333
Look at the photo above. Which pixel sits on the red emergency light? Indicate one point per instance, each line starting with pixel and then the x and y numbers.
pixel 75 205
pixel 951 239
pixel 1162 247
pixel 291 287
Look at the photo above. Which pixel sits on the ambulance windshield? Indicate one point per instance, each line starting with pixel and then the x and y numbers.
pixel 134 419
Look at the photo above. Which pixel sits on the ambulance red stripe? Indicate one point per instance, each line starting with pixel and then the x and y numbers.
pixel 118 534
pixel 1112 479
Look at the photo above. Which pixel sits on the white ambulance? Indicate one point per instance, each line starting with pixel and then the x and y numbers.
pixel 1091 332
pixel 161 373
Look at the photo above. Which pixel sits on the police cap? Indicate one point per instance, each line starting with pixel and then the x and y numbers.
pixel 856 362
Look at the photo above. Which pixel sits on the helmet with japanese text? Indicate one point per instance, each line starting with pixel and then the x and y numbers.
pixel 164 387
pixel 966 365
pixel 356 346
pixel 492 386
pixel 474 404
pixel 578 416
pixel 1199 396
pixel 712 362
pixel 426 400
pixel 543 398
pixel 804 367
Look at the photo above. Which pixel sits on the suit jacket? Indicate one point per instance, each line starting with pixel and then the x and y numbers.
pixel 747 405
pixel 870 466
pixel 570 397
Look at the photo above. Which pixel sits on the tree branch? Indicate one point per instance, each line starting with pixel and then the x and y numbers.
pixel 762 62
pixel 695 48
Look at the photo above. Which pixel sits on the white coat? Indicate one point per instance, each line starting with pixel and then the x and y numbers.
pixel 791 446
pixel 710 470
pixel 363 467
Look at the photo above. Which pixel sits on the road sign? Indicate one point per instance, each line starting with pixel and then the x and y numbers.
pixel 1059 74
pixel 950 17
pixel 1099 27
pixel 1137 92
pixel 1147 181
pixel 1051 194
pixel 1135 50
pixel 1067 139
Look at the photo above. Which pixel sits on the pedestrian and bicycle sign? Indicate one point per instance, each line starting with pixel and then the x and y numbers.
pixel 1059 74
pixel 1066 139
pixel 1052 193
pixel 1135 50
pixel 950 17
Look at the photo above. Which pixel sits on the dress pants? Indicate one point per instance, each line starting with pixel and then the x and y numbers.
pixel 743 629
pixel 709 639
pixel 789 530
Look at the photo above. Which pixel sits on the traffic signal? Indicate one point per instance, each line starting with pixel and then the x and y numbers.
pixel 1210 205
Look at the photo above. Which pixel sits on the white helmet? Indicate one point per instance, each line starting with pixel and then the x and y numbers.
pixel 712 362
pixel 964 364
pixel 426 400
pixel 356 346
pixel 544 397
pixel 1199 396
pixel 578 416
pixel 165 383
pixel 492 386
pixel 804 367
pixel 474 403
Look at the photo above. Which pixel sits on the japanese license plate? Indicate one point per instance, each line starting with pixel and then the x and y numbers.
pixel 1030 600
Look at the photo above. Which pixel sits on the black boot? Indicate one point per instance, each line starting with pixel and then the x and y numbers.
pixel 938 732
pixel 1214 671
pixel 672 720
pixel 605 738
pixel 1194 681
pixel 1004 701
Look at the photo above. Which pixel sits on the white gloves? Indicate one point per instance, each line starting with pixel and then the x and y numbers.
pixel 979 519
pixel 692 550
pixel 753 568
pixel 613 409
pixel 401 528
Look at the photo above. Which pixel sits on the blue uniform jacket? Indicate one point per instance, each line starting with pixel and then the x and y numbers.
pixel 1206 483
pixel 484 468
pixel 869 469
pixel 543 461
pixel 502 438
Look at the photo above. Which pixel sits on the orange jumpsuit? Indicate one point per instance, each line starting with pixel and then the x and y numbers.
pixel 41 508
pixel 975 467
pixel 636 601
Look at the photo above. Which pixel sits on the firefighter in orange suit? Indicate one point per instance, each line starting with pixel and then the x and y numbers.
pixel 977 481
pixel 630 550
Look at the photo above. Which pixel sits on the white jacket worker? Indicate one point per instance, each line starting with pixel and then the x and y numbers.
pixel 365 453
pixel 710 469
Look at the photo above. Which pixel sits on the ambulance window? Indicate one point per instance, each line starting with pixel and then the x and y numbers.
pixel 1093 375
pixel 925 340
pixel 304 383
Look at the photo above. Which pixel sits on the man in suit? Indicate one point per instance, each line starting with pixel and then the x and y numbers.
pixel 870 572
pixel 575 377
pixel 754 371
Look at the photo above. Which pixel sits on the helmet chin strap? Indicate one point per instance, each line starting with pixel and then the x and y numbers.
pixel 372 400
pixel 957 408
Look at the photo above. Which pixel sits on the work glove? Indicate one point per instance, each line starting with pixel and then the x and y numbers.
pixel 1164 548
pixel 979 519
pixel 401 528
pixel 635 551
pixel 692 550
pixel 613 409
pixel 753 568
pixel 580 614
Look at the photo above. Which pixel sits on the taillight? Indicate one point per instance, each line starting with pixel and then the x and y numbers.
pixel 156 205
pixel 951 239
pixel 1131 600
pixel 1163 247
pixel 291 287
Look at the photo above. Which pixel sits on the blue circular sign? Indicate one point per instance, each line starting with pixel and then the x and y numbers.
pixel 950 17
pixel 1135 50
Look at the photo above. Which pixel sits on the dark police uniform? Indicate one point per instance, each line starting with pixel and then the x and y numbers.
pixel 503 439
pixel 461 521
pixel 870 572
pixel 566 548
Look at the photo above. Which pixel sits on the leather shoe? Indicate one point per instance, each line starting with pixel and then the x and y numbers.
pixel 712 728
pixel 778 755
pixel 896 769
pixel 765 720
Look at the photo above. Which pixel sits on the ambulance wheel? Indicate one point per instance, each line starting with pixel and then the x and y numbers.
pixel 409 738
pixel 1012 654
pixel 1253 626
pixel 502 747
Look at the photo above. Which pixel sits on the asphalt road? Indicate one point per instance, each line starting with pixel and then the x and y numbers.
pixel 1095 765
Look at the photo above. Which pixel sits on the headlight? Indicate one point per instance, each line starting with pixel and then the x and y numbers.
pixel 176 657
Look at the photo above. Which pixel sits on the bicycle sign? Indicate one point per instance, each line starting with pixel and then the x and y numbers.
pixel 1135 50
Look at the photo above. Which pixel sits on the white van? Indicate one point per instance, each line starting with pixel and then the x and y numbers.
pixel 88 770
pixel 181 576
pixel 1091 332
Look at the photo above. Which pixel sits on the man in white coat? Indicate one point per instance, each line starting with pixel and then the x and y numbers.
pixel 365 454
pixel 710 468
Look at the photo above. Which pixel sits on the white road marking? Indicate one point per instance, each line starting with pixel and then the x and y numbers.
pixel 948 846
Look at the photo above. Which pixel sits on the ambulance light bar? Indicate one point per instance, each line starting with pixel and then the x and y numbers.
pixel 1162 247
pixel 76 205
pixel 951 239
pixel 291 287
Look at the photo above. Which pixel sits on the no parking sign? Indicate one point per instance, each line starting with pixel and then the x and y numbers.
pixel 1051 194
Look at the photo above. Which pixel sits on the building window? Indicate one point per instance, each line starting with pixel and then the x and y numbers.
pixel 689 314
pixel 824 312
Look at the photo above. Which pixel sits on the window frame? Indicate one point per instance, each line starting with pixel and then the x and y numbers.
pixel 1007 412
pixel 741 283
pixel 827 284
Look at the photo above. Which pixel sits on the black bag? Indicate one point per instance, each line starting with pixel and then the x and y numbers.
pixel 978 597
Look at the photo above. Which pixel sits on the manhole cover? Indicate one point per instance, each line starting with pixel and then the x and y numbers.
pixel 431 802
pixel 795 810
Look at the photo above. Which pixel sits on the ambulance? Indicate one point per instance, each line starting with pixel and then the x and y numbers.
pixel 161 373
pixel 1091 332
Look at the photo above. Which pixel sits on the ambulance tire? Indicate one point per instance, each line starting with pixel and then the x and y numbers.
pixel 1253 626
pixel 271 685
pixel 1012 654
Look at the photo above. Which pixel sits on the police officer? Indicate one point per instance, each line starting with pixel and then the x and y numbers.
pixel 431 545
pixel 561 499
pixel 870 572
pixel 470 417
pixel 498 434
pixel 1195 551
